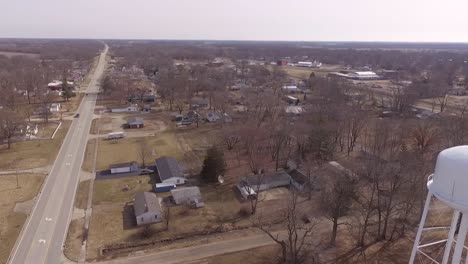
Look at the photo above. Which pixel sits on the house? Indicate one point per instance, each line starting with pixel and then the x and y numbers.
pixel 189 195
pixel 294 110
pixel 130 108
pixel 147 208
pixel 135 122
pixel 213 117
pixel 201 102
pixel 250 185
pixel 290 88
pixel 57 85
pixel 170 171
pixel 55 107
pixel 124 167
pixel 146 108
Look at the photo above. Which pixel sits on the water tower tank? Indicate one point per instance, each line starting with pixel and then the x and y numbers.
pixel 450 179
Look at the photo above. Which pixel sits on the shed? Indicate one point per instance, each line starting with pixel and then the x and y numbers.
pixel 170 171
pixel 189 195
pixel 249 185
pixel 123 109
pixel 135 122
pixel 124 167
pixel 147 208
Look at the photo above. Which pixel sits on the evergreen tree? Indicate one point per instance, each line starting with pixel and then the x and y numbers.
pixel 213 165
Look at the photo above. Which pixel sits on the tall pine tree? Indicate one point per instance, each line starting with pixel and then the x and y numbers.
pixel 213 165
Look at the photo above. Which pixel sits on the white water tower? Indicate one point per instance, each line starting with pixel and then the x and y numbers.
pixel 448 184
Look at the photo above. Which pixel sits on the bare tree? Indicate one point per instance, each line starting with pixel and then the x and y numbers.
pixel 296 246
pixel 10 124
pixel 336 200
pixel 144 151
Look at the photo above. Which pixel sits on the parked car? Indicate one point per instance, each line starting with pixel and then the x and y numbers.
pixel 77 115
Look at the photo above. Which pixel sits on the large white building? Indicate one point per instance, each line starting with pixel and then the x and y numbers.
pixel 363 75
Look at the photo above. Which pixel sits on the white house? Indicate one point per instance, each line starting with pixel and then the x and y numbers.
pixel 55 107
pixel 170 171
pixel 147 208
pixel 290 88
pixel 130 108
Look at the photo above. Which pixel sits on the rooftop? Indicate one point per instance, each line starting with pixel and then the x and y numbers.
pixel 146 202
pixel 121 165
pixel 192 192
pixel 135 120
pixel 168 167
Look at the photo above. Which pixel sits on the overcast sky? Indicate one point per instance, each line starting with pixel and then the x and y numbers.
pixel 330 20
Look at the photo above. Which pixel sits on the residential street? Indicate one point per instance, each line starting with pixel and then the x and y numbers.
pixel 188 254
pixel 45 230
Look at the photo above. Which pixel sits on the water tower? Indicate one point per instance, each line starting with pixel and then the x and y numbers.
pixel 448 184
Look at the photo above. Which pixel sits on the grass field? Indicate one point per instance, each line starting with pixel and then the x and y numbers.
pixel 81 200
pixel 11 222
pixel 34 153
pixel 89 156
pixel 126 150
pixel 110 191
pixel 74 238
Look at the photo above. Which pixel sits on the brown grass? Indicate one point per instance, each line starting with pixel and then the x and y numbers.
pixel 81 200
pixel 34 153
pixel 74 239
pixel 260 255
pixel 89 156
pixel 11 222
pixel 126 149
pixel 110 191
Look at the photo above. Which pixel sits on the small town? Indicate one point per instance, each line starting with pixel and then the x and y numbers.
pixel 206 150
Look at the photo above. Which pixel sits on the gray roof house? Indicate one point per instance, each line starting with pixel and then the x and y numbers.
pixel 189 195
pixel 147 208
pixel 170 171
pixel 135 122
pixel 128 167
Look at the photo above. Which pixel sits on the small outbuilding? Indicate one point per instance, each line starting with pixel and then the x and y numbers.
pixel 135 122
pixel 170 171
pixel 123 109
pixel 189 195
pixel 250 185
pixel 147 208
pixel 127 167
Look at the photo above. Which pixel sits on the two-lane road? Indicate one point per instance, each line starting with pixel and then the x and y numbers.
pixel 44 232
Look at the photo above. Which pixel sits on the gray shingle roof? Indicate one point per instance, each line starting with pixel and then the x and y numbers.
pixel 135 120
pixel 146 202
pixel 168 167
pixel 123 165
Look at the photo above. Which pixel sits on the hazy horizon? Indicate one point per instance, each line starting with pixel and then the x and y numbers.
pixel 260 20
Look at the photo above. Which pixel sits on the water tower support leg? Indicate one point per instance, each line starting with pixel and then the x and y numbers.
pixel 448 245
pixel 420 228
pixel 457 254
